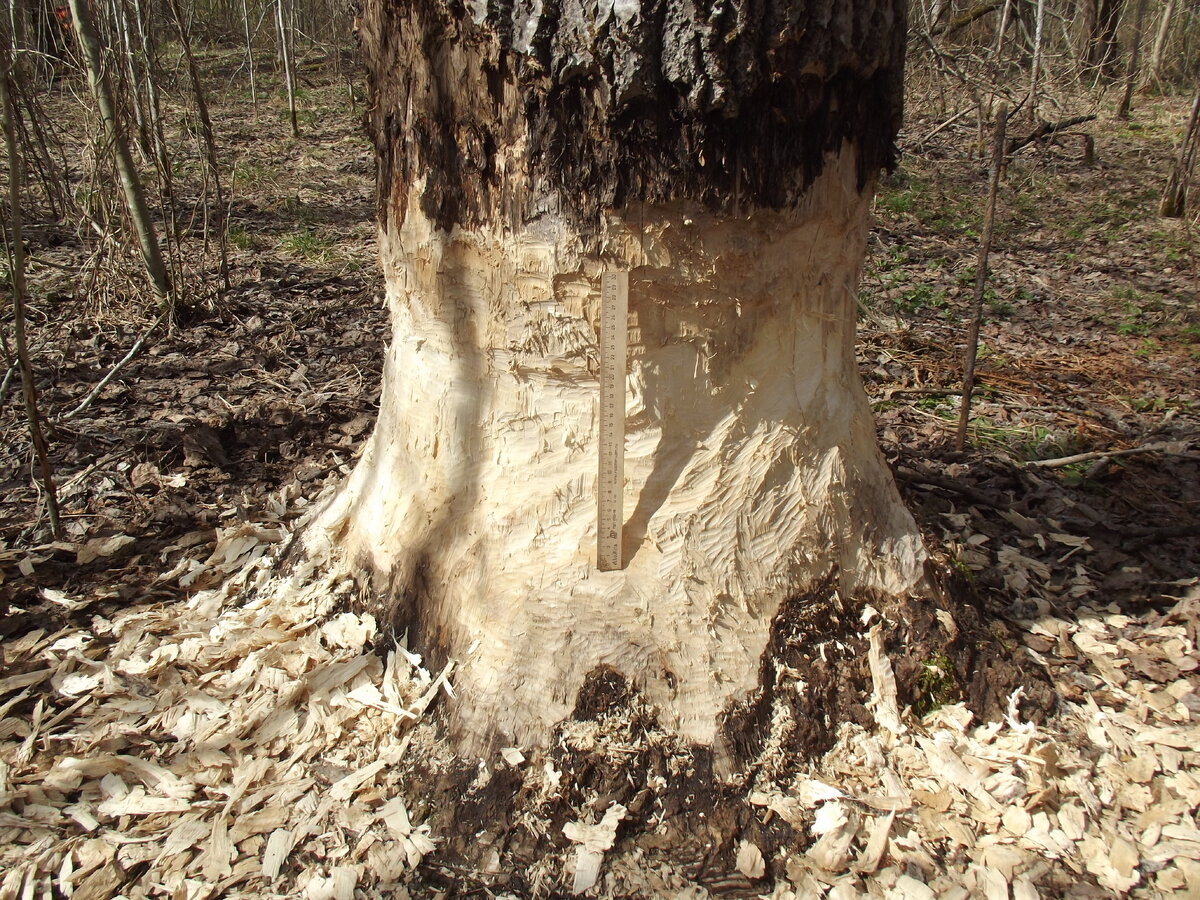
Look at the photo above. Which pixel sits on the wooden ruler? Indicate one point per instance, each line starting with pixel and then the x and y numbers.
pixel 610 508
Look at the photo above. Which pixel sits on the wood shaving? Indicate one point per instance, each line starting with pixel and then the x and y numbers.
pixel 199 742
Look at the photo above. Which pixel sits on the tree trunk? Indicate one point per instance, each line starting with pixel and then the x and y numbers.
pixel 726 159
pixel 210 145
pixel 1100 20
pixel 285 53
pixel 1135 51
pixel 250 55
pixel 1158 53
pixel 1035 66
pixel 114 128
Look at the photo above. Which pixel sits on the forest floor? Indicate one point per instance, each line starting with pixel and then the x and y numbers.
pixel 181 717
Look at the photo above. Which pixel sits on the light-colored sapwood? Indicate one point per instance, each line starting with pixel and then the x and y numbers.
pixel 751 469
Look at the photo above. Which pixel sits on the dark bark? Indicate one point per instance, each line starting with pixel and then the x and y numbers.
pixel 1135 51
pixel 1100 20
pixel 502 114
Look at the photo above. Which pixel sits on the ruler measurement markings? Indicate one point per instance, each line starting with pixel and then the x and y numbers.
pixel 610 509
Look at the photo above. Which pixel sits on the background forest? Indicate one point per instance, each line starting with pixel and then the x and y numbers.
pixel 192 337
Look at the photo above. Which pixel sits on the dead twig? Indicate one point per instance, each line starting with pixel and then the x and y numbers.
pixel 954 486
pixel 124 361
pixel 1171 448
pixel 1144 537
pixel 950 121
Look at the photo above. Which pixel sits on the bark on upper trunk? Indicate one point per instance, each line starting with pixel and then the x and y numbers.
pixel 502 111
pixel 725 158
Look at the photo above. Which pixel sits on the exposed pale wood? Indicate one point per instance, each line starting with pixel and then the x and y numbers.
pixel 751 468
pixel 727 161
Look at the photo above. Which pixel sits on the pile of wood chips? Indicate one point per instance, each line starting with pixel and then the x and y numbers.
pixel 243 742
pixel 211 745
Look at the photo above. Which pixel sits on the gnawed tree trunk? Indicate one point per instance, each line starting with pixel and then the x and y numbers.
pixel 726 159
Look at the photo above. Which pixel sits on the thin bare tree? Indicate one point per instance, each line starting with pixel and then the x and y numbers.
pixel 210 142
pixel 1135 51
pixel 1174 198
pixel 16 253
pixel 1035 71
pixel 1158 51
pixel 981 274
pixel 283 20
pixel 135 199
pixel 250 54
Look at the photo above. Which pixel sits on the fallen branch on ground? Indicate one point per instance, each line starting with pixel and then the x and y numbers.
pixel 960 22
pixel 1046 129
pixel 932 479
pixel 1173 448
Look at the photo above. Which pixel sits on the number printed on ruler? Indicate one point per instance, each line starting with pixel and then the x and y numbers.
pixel 610 510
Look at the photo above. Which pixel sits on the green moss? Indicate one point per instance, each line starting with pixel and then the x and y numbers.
pixel 937 685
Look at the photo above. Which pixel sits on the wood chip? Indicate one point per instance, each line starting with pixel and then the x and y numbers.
pixel 279 846
pixel 884 699
pixel 750 861
pixel 593 841
pixel 947 765
pixel 345 788
pixel 876 846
